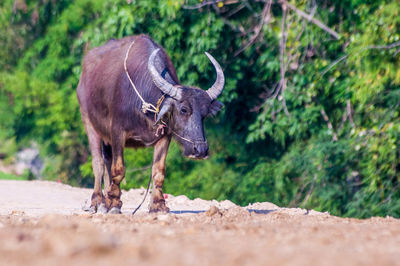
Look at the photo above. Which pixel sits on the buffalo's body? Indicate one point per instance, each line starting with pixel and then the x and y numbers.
pixel 106 96
pixel 113 119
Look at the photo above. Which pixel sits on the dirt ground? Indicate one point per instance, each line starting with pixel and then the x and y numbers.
pixel 42 223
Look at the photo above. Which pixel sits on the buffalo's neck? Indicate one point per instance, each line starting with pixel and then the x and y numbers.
pixel 141 132
pixel 137 140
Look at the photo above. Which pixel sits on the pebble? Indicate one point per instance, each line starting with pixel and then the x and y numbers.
pixel 163 217
pixel 212 211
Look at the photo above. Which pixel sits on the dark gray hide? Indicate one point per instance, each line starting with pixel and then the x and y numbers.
pixel 112 116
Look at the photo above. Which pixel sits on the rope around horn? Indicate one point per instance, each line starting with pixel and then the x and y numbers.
pixel 146 107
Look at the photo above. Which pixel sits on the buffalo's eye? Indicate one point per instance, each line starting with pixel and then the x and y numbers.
pixel 184 110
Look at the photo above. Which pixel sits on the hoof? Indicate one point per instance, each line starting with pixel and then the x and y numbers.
pixel 115 210
pixel 159 209
pixel 102 209
pixel 86 208
pixel 92 209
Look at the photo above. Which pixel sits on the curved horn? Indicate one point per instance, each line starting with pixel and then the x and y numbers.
pixel 218 85
pixel 159 81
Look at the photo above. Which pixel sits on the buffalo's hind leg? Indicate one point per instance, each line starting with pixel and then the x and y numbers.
pixel 97 202
pixel 107 156
pixel 157 201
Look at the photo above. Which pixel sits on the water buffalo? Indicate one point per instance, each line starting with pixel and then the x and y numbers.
pixel 114 117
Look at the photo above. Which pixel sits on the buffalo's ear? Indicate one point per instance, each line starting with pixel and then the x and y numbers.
pixel 165 110
pixel 214 108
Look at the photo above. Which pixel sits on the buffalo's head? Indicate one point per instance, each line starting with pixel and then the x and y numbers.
pixel 186 107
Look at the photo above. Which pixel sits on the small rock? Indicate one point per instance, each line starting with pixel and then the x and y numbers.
pixel 15 212
pixel 181 199
pixel 213 211
pixel 226 204
pixel 168 232
pixel 23 220
pixel 163 217
pixel 97 220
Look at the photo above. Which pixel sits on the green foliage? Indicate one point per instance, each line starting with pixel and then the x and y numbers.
pixel 326 136
pixel 4 176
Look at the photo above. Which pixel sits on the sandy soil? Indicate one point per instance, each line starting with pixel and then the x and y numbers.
pixel 42 223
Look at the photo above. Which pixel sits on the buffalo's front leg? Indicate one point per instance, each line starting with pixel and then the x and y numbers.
pixel 113 199
pixel 157 201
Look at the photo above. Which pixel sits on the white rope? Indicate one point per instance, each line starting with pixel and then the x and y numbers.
pixel 189 140
pixel 163 125
pixel 146 107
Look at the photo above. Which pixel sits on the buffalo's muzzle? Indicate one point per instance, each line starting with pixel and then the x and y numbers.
pixel 198 151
